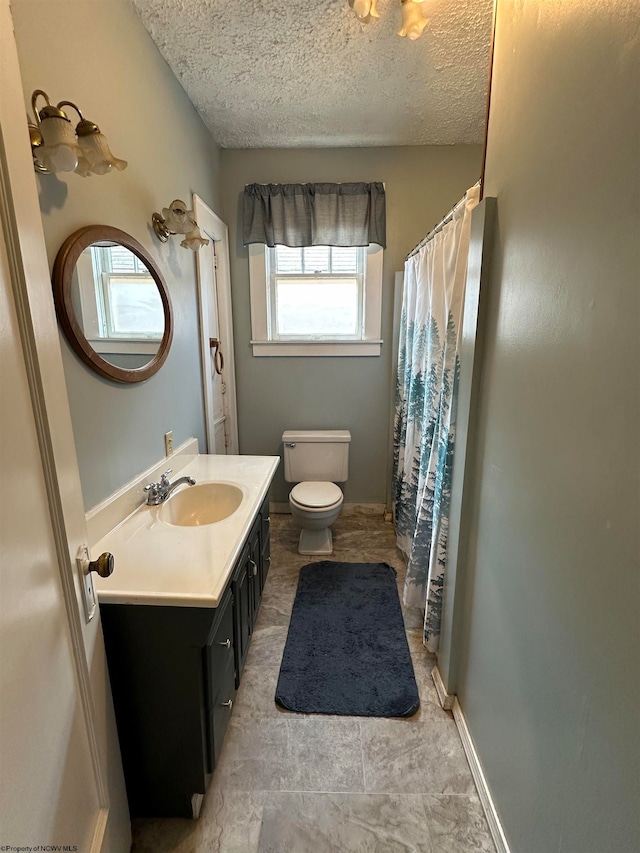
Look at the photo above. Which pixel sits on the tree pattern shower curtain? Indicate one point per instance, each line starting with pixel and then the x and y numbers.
pixel 424 434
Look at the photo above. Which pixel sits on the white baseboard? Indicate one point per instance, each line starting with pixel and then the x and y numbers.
pixel 446 699
pixel 499 838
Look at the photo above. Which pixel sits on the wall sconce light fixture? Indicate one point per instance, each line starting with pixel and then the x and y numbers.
pixel 59 147
pixel 413 21
pixel 177 219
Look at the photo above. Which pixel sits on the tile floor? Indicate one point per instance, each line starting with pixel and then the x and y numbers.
pixel 297 783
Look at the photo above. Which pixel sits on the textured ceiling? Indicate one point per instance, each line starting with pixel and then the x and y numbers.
pixel 279 73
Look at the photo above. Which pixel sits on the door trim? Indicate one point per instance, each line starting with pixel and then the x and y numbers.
pixel 216 230
pixel 471 344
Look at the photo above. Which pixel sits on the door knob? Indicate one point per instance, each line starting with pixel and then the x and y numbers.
pixel 103 565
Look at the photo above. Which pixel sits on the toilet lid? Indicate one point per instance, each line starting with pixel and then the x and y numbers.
pixel 316 494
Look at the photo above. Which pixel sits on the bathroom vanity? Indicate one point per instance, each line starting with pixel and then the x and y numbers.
pixel 178 615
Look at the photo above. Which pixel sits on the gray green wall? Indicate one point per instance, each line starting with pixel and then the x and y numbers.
pixel 548 679
pixel 97 53
pixel 278 393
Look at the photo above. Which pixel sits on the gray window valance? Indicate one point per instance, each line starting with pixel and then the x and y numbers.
pixel 315 214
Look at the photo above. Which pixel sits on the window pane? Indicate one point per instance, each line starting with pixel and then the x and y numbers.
pixel 119 259
pixel 135 307
pixel 312 260
pixel 312 307
pixel 288 261
pixel 316 259
pixel 344 259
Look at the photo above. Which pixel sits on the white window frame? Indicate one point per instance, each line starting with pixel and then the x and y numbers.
pixel 369 345
pixel 93 293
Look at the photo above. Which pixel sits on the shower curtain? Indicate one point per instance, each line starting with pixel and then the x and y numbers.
pixel 424 433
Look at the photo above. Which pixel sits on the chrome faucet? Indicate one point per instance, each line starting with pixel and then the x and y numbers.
pixel 159 492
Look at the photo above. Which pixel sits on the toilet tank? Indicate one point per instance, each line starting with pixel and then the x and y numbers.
pixel 319 454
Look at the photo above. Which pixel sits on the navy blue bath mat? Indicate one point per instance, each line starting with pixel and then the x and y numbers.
pixel 346 650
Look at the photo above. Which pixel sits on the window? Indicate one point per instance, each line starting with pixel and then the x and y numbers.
pixel 127 299
pixel 117 301
pixel 315 292
pixel 315 300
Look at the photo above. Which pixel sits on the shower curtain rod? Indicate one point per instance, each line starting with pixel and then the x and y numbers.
pixel 440 225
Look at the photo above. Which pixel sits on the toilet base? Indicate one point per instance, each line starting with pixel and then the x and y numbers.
pixel 315 542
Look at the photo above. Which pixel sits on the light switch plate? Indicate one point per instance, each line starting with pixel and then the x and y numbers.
pixel 168 443
pixel 86 584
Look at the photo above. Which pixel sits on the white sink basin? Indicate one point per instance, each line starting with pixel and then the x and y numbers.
pixel 204 503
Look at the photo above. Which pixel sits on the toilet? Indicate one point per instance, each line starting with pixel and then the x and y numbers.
pixel 316 460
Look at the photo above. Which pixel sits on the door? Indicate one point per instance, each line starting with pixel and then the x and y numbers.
pixel 42 721
pixel 61 780
pixel 216 360
pixel 216 327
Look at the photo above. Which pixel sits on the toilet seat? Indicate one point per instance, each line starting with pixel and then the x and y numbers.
pixel 310 512
pixel 314 495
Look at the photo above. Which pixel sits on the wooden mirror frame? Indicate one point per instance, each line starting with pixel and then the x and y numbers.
pixel 62 278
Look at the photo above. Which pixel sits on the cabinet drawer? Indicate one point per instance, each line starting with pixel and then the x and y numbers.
pixel 220 714
pixel 219 651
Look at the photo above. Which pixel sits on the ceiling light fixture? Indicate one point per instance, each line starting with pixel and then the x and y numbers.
pixel 413 20
pixel 177 219
pixel 59 147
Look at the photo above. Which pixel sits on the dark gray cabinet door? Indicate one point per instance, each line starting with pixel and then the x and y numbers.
pixel 265 543
pixel 220 680
pixel 255 573
pixel 221 712
pixel 248 582
pixel 155 657
pixel 243 611
pixel 220 647
pixel 265 560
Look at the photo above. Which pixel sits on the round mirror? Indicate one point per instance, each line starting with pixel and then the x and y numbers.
pixel 112 303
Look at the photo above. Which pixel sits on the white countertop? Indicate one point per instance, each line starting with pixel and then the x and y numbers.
pixel 163 564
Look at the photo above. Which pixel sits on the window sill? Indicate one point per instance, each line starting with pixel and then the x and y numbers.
pixel 123 346
pixel 317 348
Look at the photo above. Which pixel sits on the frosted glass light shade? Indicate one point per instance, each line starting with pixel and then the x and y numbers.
pixel 364 10
pixel 96 156
pixel 57 146
pixel 194 240
pixel 413 21
pixel 177 218
pixel 59 151
pixel 83 168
